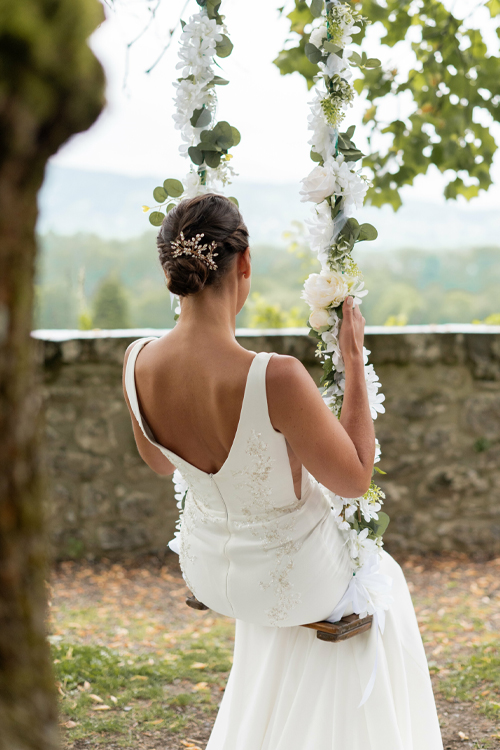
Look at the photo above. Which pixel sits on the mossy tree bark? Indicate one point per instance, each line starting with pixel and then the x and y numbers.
pixel 51 86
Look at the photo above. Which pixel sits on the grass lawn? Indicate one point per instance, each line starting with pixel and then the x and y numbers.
pixel 137 668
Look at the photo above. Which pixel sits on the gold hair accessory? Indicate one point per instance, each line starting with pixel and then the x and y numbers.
pixel 182 246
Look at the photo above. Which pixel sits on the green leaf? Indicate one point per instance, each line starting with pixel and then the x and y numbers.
pixel 156 218
pixel 183 23
pixel 494 7
pixel 224 47
pixel 159 194
pixel 196 155
pixel 331 47
pixel 212 159
pixel 316 157
pixel 174 188
pixel 170 206
pixel 234 200
pixel 350 131
pixel 379 471
pixel 201 118
pixel 372 62
pixel 316 8
pixel 312 52
pixel 380 525
pixel 219 81
pixel 355 59
pixel 236 135
pixel 367 232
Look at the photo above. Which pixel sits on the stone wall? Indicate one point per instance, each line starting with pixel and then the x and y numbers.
pixel 440 440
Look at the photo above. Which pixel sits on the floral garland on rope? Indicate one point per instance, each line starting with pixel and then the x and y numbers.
pixel 204 141
pixel 338 188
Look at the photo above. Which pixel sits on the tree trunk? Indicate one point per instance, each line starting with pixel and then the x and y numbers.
pixel 51 86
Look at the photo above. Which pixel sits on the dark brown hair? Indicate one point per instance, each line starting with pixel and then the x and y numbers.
pixel 218 219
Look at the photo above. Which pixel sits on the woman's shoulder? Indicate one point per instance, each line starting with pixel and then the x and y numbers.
pixel 286 378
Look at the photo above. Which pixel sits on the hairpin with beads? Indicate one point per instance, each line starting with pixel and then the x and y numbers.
pixel 181 246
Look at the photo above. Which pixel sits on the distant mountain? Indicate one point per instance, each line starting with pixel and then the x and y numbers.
pixel 109 205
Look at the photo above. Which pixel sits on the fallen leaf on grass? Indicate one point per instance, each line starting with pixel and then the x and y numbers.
pixel 201 686
pixel 112 697
pixel 138 677
pixel 156 721
pixel 171 657
pixel 462 736
pixel 101 708
pixel 96 698
pixel 70 724
pixel 198 665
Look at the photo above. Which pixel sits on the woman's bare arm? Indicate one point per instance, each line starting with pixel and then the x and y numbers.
pixel 339 454
pixel 151 455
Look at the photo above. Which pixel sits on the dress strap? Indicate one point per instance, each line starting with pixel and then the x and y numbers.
pixel 256 406
pixel 131 389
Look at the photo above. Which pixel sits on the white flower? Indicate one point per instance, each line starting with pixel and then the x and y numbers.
pixel 324 289
pixel 318 319
pixel 321 229
pixel 355 285
pixel 375 399
pixel 378 452
pixel 322 140
pixel 319 184
pixel 336 65
pixel 193 186
pixel 317 36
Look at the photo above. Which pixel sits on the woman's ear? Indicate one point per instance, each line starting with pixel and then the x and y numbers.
pixel 244 263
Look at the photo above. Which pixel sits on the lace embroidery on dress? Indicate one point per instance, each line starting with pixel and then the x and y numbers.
pixel 269 525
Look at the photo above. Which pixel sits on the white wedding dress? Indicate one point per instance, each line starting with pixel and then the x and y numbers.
pixel 249 549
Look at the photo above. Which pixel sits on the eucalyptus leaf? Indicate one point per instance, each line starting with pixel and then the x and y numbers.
pixel 316 8
pixel 174 188
pixel 156 218
pixel 372 62
pixel 331 47
pixel 201 117
pixel 159 194
pixel 196 155
pixel 355 59
pixel 212 159
pixel 313 54
pixel 350 131
pixel 233 200
pixel 316 157
pixel 367 232
pixel 170 206
pixel 224 47
pixel 236 135
pixel 219 81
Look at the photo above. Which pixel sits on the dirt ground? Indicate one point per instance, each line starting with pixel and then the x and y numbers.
pixel 136 611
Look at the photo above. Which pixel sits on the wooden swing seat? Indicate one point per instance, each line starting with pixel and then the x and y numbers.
pixel 347 627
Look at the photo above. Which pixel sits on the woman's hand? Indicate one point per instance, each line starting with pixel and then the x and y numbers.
pixel 352 332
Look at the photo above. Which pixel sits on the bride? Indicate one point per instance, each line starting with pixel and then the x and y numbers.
pixel 253 440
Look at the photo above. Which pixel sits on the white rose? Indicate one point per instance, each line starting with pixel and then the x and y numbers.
pixel 318 319
pixel 324 289
pixel 317 36
pixel 318 185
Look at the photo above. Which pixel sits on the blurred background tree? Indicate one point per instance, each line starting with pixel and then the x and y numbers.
pixel 451 94
pixel 110 304
pixel 51 86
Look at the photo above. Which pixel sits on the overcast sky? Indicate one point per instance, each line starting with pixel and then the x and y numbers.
pixel 135 133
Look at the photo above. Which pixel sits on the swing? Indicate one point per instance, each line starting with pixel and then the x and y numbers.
pixel 346 628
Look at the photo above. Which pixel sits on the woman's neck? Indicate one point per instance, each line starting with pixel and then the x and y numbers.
pixel 208 315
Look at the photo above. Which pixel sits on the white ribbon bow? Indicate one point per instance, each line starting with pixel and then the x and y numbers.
pixel 369 594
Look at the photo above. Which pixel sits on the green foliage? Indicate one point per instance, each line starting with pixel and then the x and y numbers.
pixel 263 314
pixel 110 304
pixel 412 286
pixel 452 79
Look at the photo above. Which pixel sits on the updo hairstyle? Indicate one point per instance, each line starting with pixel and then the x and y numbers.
pixel 218 219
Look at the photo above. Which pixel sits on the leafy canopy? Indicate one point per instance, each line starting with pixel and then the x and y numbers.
pixel 453 83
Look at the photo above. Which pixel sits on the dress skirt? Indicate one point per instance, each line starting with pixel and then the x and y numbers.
pixel 288 690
